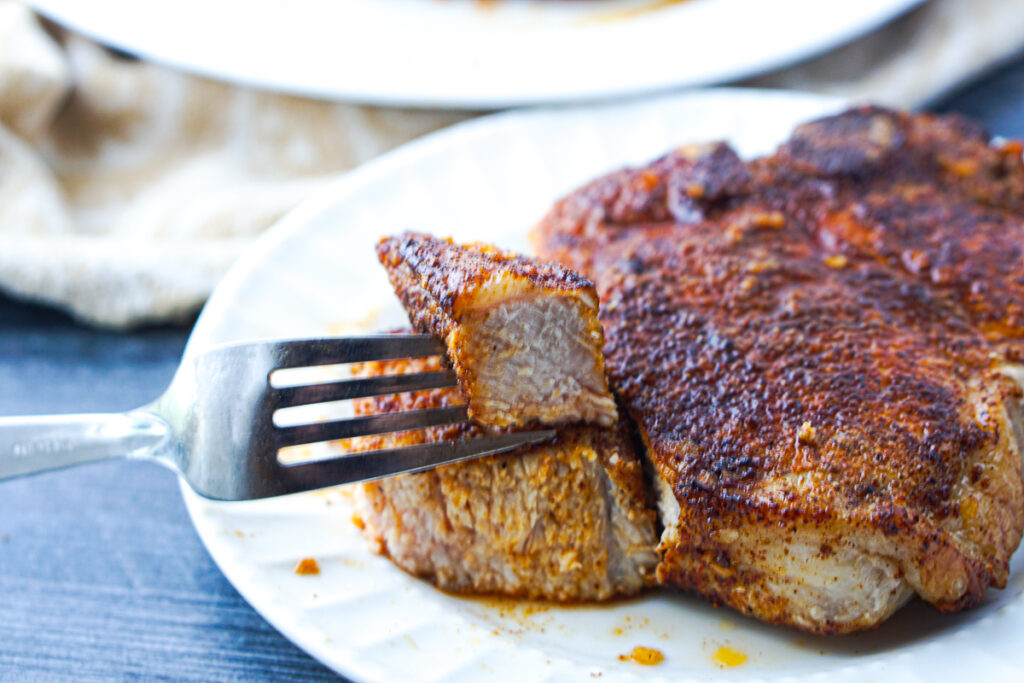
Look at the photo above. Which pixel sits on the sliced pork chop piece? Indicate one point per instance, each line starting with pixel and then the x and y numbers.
pixel 522 335
pixel 565 521
pixel 822 351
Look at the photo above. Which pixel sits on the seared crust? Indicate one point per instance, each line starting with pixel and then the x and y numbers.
pixel 522 335
pixel 565 520
pixel 444 272
pixel 816 347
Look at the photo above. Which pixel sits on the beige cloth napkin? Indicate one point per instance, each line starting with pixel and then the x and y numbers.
pixel 127 189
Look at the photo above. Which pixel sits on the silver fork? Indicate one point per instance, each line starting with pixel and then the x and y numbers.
pixel 215 424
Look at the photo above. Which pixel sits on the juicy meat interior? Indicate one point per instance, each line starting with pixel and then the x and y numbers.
pixel 566 520
pixel 522 335
pixel 822 351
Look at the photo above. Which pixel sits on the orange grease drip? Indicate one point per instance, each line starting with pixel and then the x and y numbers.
pixel 726 657
pixel 633 12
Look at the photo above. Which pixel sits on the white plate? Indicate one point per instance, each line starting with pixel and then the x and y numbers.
pixel 474 53
pixel 491 179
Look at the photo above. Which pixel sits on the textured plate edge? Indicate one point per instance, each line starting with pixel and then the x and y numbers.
pixel 426 145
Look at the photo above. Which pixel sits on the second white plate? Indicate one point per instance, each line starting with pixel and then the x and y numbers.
pixel 491 179
pixel 474 53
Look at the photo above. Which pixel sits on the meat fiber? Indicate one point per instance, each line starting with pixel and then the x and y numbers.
pixel 566 520
pixel 522 335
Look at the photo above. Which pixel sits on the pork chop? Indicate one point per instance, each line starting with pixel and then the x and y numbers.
pixel 522 335
pixel 821 350
pixel 566 520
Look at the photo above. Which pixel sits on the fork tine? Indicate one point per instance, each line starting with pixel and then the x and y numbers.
pixel 372 424
pixel 356 388
pixel 377 464
pixel 336 350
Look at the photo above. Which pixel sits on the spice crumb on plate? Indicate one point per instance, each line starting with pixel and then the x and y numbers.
pixel 307 566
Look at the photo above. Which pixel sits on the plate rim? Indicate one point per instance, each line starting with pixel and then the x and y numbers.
pixel 319 201
pixel 463 97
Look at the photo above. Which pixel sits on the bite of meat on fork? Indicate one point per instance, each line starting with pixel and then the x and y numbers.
pixel 522 334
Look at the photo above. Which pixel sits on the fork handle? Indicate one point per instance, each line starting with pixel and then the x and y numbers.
pixel 48 442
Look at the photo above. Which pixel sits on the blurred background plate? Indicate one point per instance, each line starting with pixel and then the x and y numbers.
pixel 473 53
pixel 314 273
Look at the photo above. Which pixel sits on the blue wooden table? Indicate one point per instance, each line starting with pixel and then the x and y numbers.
pixel 101 573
